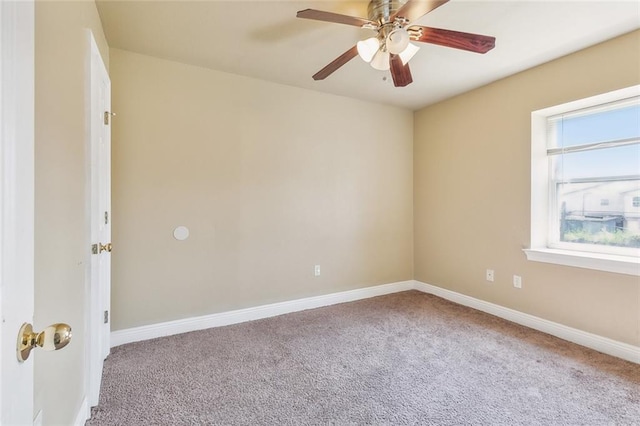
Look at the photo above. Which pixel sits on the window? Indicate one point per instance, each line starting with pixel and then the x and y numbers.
pixel 585 183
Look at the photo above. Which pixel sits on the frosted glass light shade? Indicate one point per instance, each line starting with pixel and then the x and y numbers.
pixel 397 41
pixel 408 53
pixel 381 61
pixel 368 48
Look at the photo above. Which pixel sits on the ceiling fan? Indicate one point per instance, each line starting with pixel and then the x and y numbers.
pixel 391 47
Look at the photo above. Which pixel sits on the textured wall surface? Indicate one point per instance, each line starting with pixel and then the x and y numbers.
pixel 270 180
pixel 472 185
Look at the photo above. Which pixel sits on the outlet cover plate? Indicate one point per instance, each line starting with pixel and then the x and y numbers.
pixel 490 275
pixel 517 281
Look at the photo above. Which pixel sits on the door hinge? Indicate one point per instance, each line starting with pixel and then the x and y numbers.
pixel 106 218
pixel 106 317
pixel 94 249
pixel 107 117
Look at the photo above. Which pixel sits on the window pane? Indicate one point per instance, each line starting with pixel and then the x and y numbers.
pixel 610 162
pixel 597 126
pixel 584 218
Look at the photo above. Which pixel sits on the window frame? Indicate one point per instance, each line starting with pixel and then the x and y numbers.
pixel 540 249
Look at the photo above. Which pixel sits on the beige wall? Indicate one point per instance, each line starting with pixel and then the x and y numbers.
pixel 270 179
pixel 472 186
pixel 61 249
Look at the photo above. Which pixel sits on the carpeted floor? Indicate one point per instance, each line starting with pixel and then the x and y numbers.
pixel 407 358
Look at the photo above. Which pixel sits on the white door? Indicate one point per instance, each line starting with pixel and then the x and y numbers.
pixel 16 205
pixel 100 211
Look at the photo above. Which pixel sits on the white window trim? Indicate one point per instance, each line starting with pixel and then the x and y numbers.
pixel 598 261
pixel 539 250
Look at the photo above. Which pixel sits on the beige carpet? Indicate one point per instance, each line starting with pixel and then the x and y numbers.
pixel 407 358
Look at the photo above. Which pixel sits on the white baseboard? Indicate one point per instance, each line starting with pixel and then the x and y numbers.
pixel 152 331
pixel 83 413
pixel 593 341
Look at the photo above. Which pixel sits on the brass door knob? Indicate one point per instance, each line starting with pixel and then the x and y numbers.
pixel 105 247
pixel 52 338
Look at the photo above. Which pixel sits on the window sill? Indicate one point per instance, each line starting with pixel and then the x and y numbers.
pixel 601 262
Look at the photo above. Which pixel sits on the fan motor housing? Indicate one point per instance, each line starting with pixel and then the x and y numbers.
pixel 381 10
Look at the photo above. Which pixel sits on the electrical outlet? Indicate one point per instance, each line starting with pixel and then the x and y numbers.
pixel 316 271
pixel 490 275
pixel 517 281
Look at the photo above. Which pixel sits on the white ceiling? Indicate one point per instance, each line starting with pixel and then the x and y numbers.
pixel 264 39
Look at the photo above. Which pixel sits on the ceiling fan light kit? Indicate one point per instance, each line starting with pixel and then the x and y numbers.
pixel 391 48
pixel 368 48
pixel 397 41
pixel 381 60
pixel 408 53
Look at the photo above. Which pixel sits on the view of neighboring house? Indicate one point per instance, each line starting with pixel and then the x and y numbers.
pixel 595 208
pixel 632 210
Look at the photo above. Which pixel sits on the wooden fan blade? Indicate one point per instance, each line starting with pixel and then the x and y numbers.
pixel 320 15
pixel 336 63
pixel 414 9
pixel 400 72
pixel 472 42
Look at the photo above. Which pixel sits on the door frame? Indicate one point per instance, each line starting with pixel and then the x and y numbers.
pixel 17 112
pixel 98 291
